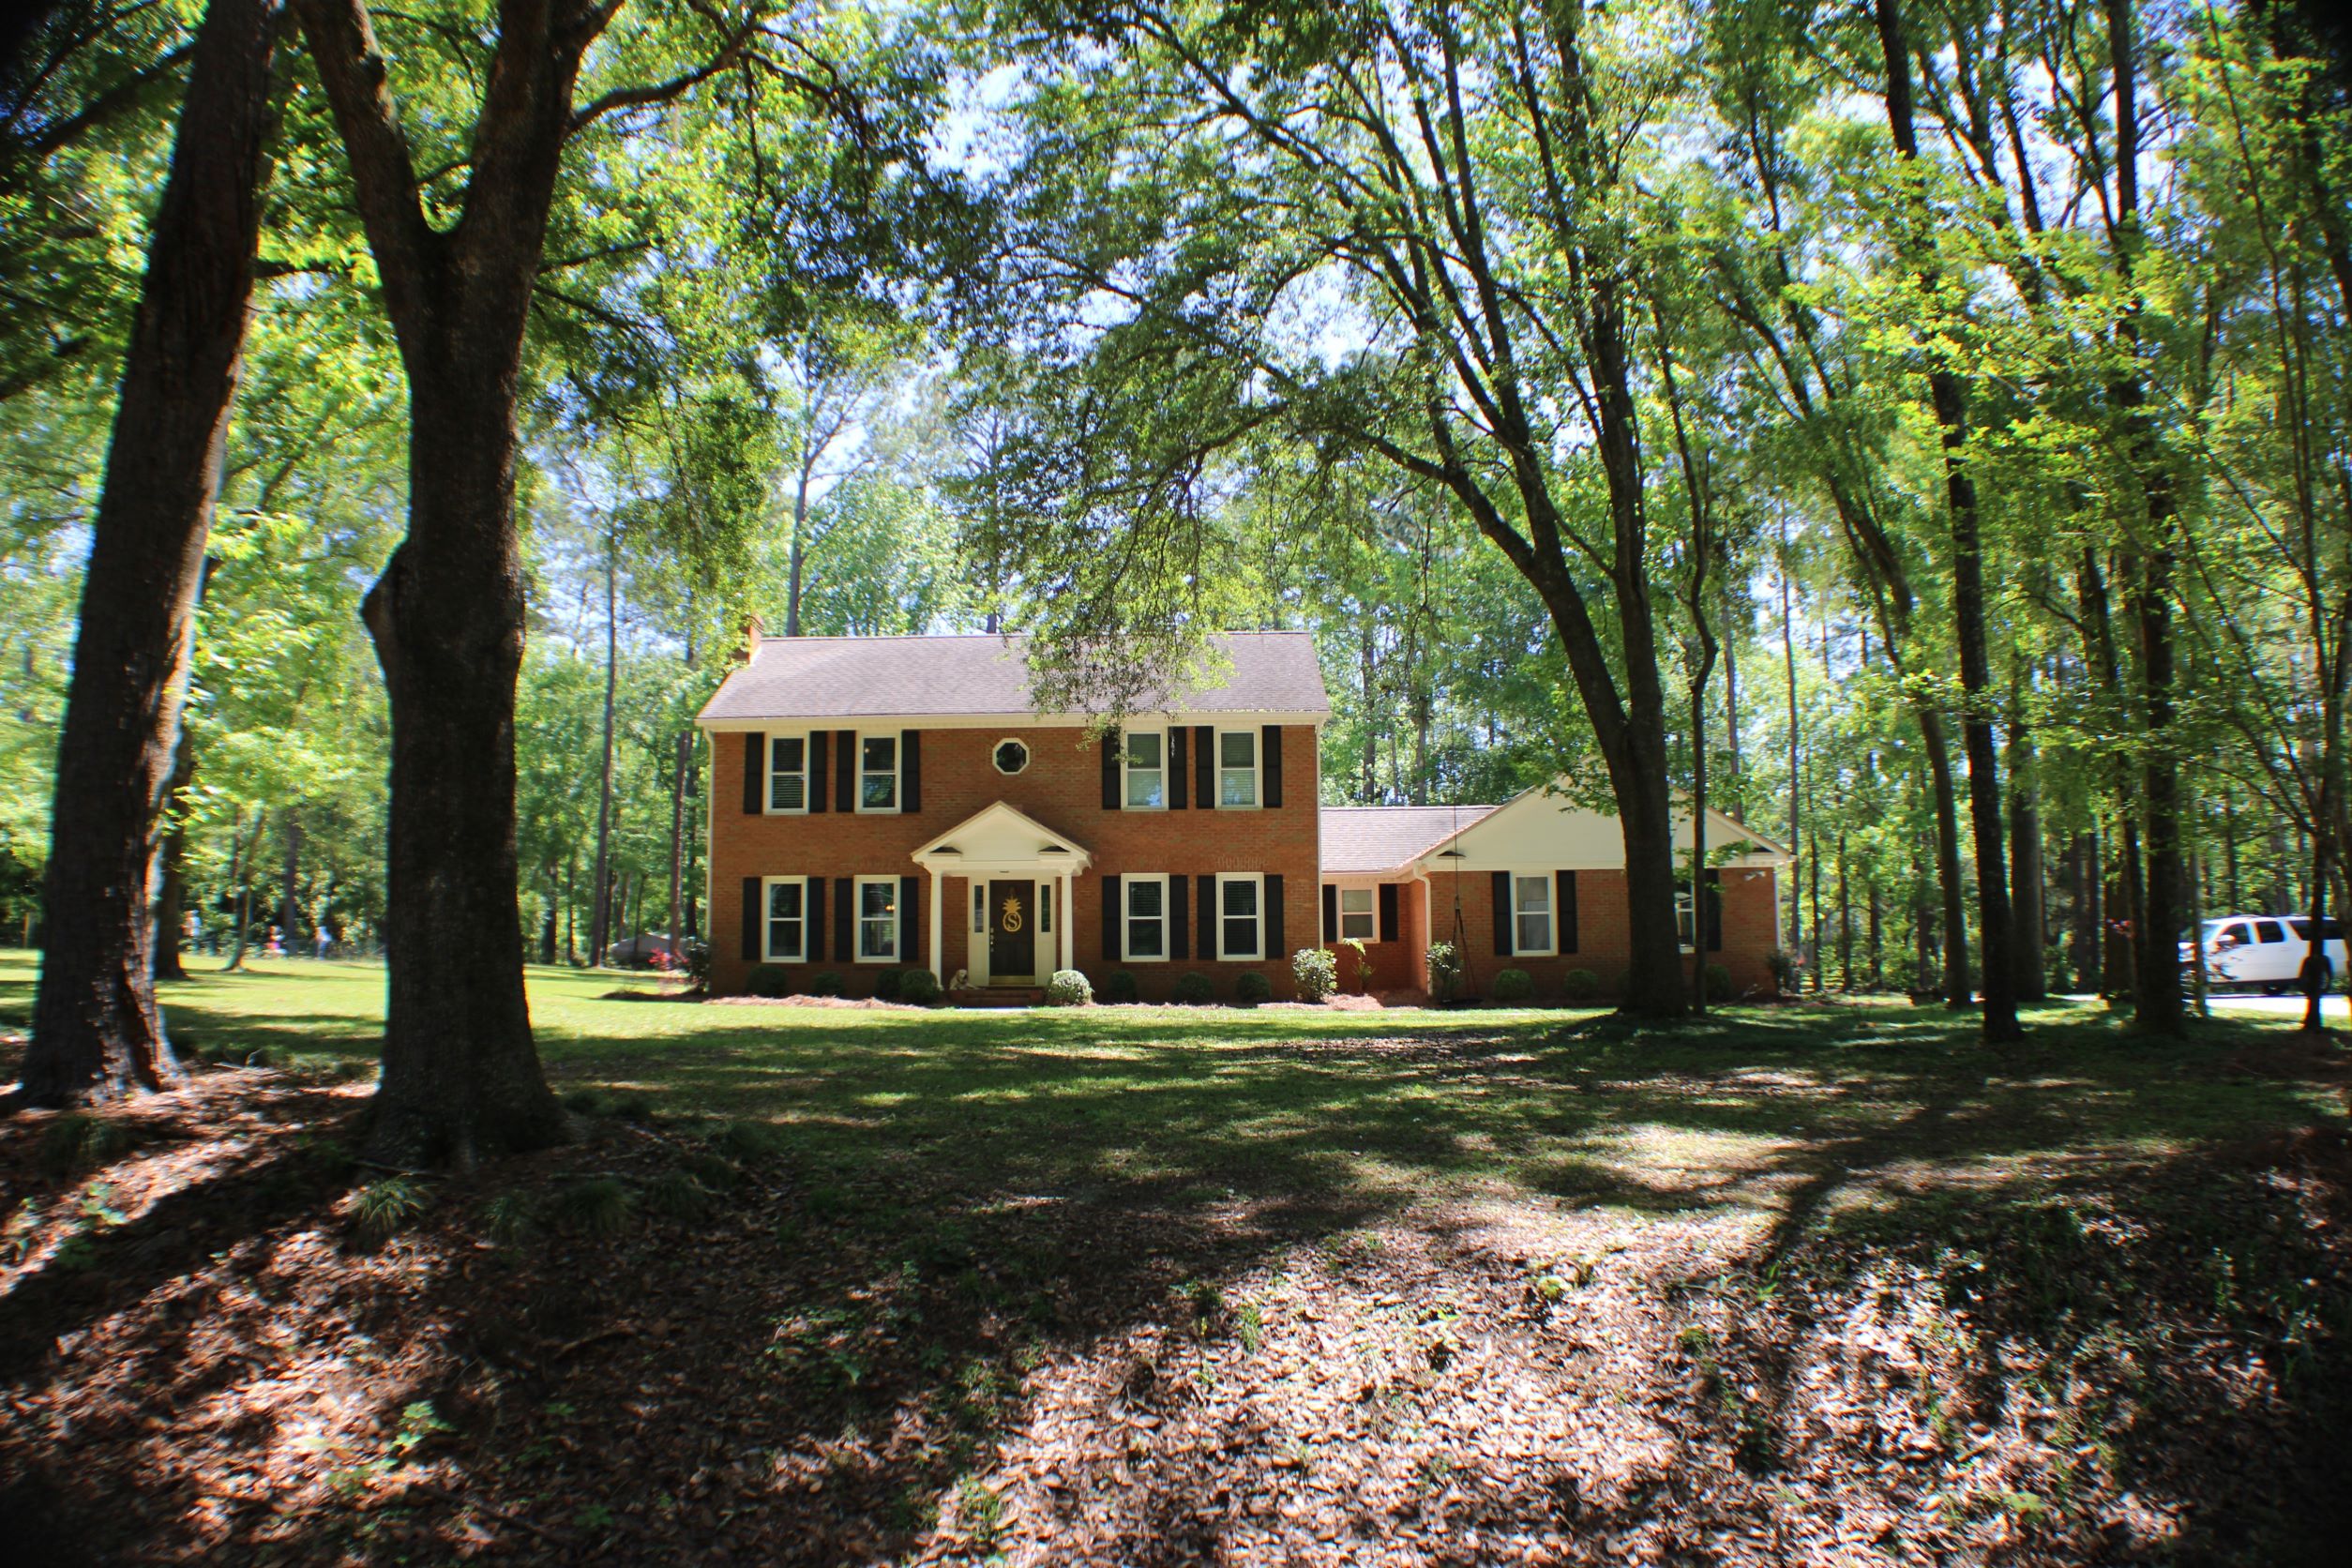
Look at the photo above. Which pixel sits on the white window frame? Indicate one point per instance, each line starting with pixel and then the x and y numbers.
pixel 1257 770
pixel 767 773
pixel 858 918
pixel 1128 771
pixel 1257 920
pixel 1550 912
pixel 767 921
pixel 897 772
pixel 1685 919
pixel 1127 917
pixel 1370 914
pixel 1029 755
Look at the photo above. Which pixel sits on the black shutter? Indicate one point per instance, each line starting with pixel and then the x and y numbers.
pixel 812 920
pixel 1114 950
pixel 909 770
pixel 1502 913
pixel 909 919
pixel 820 749
pixel 1179 917
pixel 1272 915
pixel 1207 913
pixel 1331 913
pixel 844 920
pixel 755 774
pixel 1176 769
pixel 845 770
pixel 752 919
pixel 1564 917
pixel 1114 748
pixel 1204 768
pixel 1270 764
pixel 1388 912
pixel 1714 909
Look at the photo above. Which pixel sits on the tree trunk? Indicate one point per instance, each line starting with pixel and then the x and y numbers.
pixel 97 1032
pixel 1845 919
pixel 462 1077
pixel 289 908
pixel 1948 397
pixel 547 920
pixel 171 904
pixel 2025 854
pixel 2314 976
pixel 600 916
pixel 1796 827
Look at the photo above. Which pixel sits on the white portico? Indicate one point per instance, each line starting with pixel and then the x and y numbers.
pixel 1020 873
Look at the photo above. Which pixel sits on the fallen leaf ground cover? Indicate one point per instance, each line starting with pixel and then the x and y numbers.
pixel 1148 1286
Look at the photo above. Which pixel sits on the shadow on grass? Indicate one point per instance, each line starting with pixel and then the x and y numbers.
pixel 956 1198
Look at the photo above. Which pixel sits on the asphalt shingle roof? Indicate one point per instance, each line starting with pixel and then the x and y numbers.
pixel 941 677
pixel 1362 838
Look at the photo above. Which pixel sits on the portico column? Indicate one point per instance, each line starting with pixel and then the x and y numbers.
pixel 939 888
pixel 1061 926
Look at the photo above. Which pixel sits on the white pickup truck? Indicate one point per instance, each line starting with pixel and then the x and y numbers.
pixel 2265 952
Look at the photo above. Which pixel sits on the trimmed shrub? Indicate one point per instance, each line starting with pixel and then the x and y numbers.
pixel 919 988
pixel 1783 965
pixel 1121 987
pixel 1580 985
pixel 1068 989
pixel 769 980
pixel 1193 987
pixel 1445 972
pixel 698 964
pixel 1719 983
pixel 886 985
pixel 1316 973
pixel 1514 985
pixel 825 982
pixel 1252 989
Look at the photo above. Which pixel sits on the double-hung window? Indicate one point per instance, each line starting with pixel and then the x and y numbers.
pixel 877 773
pixel 1531 914
pixel 1146 753
pixel 877 919
pixel 787 920
pixel 787 773
pixel 1240 929
pixel 1147 918
pixel 1686 918
pixel 1237 767
pixel 1355 914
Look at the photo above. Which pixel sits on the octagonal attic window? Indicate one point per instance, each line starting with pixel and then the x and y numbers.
pixel 1011 756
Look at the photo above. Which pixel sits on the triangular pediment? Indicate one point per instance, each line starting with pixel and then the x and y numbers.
pixel 1000 834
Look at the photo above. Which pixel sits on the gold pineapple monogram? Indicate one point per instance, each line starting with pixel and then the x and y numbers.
pixel 1011 915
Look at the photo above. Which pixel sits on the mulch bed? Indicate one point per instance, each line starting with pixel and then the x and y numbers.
pixel 203 1359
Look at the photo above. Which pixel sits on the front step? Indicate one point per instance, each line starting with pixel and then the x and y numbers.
pixel 1002 996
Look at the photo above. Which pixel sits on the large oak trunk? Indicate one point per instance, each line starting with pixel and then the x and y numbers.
pixel 97 1031
pixel 461 1078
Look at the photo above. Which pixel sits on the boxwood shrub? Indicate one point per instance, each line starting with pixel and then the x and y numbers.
pixel 886 985
pixel 1252 989
pixel 769 980
pixel 1068 989
pixel 1580 985
pixel 919 988
pixel 1120 987
pixel 825 982
pixel 1194 989
pixel 1514 985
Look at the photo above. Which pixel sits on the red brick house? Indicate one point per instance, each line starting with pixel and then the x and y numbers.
pixel 897 803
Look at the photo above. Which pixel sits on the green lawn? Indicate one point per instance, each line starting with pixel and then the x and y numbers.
pixel 2090 1290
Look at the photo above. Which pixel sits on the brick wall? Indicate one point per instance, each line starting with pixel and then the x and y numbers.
pixel 1601 947
pixel 1061 789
